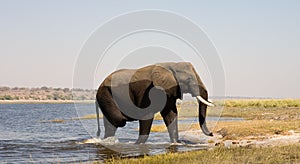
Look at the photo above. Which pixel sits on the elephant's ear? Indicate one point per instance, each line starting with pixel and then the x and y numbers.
pixel 165 79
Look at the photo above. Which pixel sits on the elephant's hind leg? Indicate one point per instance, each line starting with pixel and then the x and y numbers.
pixel 113 118
pixel 110 129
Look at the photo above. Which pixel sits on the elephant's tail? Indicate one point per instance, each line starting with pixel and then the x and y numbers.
pixel 97 113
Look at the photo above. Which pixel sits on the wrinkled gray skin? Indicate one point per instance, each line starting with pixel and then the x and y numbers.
pixel 172 79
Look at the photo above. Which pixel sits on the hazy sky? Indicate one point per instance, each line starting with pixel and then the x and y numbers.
pixel 258 41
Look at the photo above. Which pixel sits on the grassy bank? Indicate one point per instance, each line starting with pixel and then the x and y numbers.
pixel 263 118
pixel 280 154
pixel 265 103
pixel 259 113
pixel 257 129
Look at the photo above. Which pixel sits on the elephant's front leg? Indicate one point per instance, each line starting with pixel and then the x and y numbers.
pixel 170 118
pixel 145 127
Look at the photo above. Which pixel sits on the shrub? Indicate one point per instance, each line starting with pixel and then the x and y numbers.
pixel 7 97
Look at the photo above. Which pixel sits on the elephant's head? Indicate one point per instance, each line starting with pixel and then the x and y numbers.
pixel 179 78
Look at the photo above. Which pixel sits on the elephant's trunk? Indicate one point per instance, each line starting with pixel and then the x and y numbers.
pixel 202 112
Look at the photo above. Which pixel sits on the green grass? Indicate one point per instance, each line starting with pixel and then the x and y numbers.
pixel 280 154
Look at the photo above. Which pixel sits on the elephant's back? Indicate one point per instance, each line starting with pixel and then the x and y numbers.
pixel 119 77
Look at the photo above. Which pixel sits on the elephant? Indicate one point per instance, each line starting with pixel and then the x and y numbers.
pixel 137 94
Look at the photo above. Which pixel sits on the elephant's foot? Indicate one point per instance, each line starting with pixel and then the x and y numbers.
pixel 173 135
pixel 142 139
pixel 183 142
pixel 174 141
pixel 110 129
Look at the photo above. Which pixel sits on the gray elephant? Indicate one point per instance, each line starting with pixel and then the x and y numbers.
pixel 129 95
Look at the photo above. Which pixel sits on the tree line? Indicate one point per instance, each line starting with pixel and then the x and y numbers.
pixel 46 93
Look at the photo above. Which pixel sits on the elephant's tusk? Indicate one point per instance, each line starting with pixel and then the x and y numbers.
pixel 204 101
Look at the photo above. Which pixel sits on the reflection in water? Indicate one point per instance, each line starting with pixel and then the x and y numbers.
pixel 132 150
pixel 103 153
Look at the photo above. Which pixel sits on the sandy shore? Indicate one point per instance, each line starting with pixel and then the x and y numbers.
pixel 265 141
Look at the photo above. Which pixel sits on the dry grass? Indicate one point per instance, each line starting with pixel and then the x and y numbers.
pixel 261 113
pixel 265 103
pixel 257 128
pixel 280 154
pixel 181 127
pixel 89 116
pixel 242 129
pixel 157 116
pixel 53 121
pixel 259 121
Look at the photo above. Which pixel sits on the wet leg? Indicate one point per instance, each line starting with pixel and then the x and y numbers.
pixel 110 129
pixel 169 115
pixel 145 127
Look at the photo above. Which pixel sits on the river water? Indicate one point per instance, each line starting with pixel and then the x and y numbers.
pixel 49 133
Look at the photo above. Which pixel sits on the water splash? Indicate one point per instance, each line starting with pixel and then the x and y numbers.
pixel 106 141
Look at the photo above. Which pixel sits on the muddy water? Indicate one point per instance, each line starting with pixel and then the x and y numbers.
pixel 47 133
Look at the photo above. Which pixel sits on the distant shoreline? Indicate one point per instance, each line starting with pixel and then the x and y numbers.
pixel 235 103
pixel 44 95
pixel 46 101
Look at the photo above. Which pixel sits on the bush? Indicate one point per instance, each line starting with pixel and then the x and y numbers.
pixel 7 97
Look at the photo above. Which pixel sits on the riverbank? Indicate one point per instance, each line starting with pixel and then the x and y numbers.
pixel 269 133
pixel 45 94
pixel 277 154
